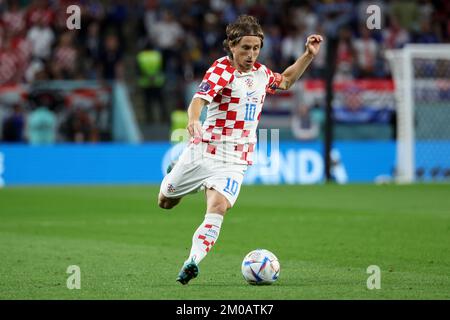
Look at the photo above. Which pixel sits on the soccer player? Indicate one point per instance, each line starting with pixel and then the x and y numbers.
pixel 233 89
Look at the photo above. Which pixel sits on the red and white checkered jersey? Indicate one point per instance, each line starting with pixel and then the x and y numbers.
pixel 235 105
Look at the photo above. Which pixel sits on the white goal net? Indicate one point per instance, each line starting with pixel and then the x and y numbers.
pixel 421 75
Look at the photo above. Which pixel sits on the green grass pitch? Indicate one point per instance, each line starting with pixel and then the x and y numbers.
pixel 325 237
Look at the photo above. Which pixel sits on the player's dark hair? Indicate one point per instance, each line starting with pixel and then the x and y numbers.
pixel 245 25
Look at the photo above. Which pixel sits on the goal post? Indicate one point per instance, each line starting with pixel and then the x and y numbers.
pixel 421 73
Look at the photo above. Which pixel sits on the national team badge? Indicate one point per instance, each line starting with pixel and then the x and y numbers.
pixel 249 82
pixel 170 188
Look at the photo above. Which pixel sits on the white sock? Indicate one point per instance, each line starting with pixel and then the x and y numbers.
pixel 205 237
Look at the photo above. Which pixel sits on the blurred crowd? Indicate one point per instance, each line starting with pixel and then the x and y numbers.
pixel 173 42
pixel 35 43
pixel 190 33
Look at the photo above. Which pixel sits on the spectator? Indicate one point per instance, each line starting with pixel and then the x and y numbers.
pixel 94 10
pixel 64 61
pixel 92 47
pixel 40 12
pixel 366 50
pixel 426 34
pixel 78 126
pixel 151 80
pixel 305 125
pixel 117 13
pixel 150 16
pixel 110 62
pixel 41 37
pixel 36 71
pixel 211 32
pixel 407 13
pixel 13 125
pixel 101 122
pixel 14 19
pixel 22 48
pixel 345 55
pixel 41 126
pixel 167 36
pixel 426 10
pixel 394 36
pixel 9 62
pixel 305 15
pixel 293 44
pixel 271 51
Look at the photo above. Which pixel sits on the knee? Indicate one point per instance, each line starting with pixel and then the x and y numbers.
pixel 216 202
pixel 166 203
pixel 219 207
pixel 163 202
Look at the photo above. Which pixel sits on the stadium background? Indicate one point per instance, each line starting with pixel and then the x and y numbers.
pixel 97 106
pixel 127 75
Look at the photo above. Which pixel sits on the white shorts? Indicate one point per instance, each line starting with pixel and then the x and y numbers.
pixel 194 171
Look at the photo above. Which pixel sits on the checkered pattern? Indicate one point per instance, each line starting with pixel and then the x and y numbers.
pixel 235 107
pixel 246 150
pixel 206 243
pixel 219 75
pixel 207 239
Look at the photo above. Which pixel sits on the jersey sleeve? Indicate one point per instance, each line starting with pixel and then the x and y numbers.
pixel 274 81
pixel 215 79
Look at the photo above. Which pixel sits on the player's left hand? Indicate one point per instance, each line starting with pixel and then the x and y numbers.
pixel 313 44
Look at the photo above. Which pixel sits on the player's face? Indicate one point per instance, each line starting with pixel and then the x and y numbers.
pixel 245 52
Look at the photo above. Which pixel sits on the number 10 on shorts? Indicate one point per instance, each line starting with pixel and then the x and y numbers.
pixel 231 187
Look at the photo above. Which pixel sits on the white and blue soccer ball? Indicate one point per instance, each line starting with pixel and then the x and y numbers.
pixel 260 266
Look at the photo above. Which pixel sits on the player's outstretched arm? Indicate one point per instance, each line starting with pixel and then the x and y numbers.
pixel 194 111
pixel 295 71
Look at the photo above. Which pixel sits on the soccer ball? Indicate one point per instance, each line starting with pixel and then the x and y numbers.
pixel 260 266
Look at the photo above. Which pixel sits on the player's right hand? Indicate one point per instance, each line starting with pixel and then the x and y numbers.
pixel 195 129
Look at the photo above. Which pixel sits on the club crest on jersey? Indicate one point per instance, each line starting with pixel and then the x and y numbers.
pixel 249 82
pixel 204 86
pixel 170 188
